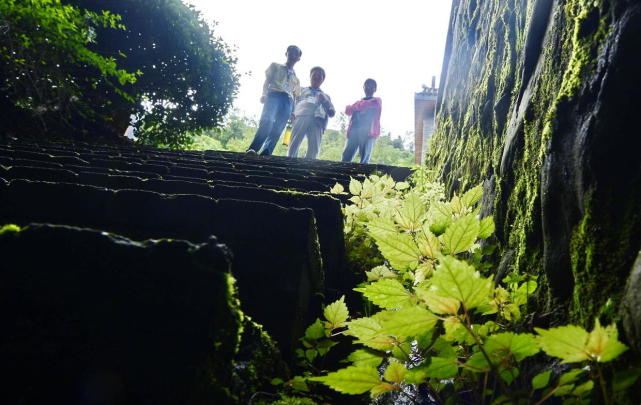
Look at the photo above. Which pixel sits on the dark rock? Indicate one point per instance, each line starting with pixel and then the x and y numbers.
pixel 92 317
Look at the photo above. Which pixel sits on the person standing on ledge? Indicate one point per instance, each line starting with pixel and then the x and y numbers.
pixel 364 124
pixel 280 90
pixel 311 114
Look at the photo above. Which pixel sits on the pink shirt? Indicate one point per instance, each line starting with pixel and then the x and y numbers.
pixel 374 103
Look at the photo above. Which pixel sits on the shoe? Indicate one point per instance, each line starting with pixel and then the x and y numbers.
pixel 250 152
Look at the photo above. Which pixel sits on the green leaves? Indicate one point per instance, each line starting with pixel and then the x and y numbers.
pixel 408 322
pixel 387 293
pixel 336 313
pixel 458 280
pixel 351 380
pixel 460 236
pixel 572 343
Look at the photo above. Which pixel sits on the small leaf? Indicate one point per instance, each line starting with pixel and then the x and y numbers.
pixel 381 388
pixel 565 342
pixel 363 357
pixel 315 331
pixel 337 189
pixel 519 346
pixel 583 388
pixel 428 244
pixel 541 380
pixel 363 328
pixel 486 227
pixel 402 185
pixel 457 279
pixel 351 380
pixel 395 372
pixel 625 379
pixel 603 343
pixel 437 303
pixel 380 272
pixel 461 234
pixel 442 368
pixel 298 383
pixel 336 313
pixel 355 186
pixel 409 321
pixel 441 216
pixel 570 376
pixel 472 196
pixel 276 381
pixel 410 216
pixel 387 293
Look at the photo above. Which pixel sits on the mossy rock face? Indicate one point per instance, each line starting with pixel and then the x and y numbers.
pixel 92 317
pixel 539 101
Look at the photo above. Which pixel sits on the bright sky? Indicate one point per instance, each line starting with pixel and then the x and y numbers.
pixel 398 43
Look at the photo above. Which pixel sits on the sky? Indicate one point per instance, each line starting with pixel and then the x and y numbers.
pixel 398 43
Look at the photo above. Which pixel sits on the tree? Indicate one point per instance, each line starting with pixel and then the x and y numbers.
pixel 43 46
pixel 188 79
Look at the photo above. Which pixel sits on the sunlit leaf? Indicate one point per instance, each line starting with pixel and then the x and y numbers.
pixel 381 388
pixel 440 215
pixel 395 372
pixel 461 234
pixel 428 244
pixel 363 328
pixel 363 357
pixel 355 186
pixel 486 227
pixel 565 342
pixel 410 216
pixel 351 380
pixel 456 279
pixel 380 272
pixel 336 313
pixel 472 196
pixel 337 189
pixel 583 388
pixel 518 346
pixel 315 331
pixel 409 321
pixel 387 293
pixel 603 343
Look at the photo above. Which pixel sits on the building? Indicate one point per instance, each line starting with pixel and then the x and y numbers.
pixel 424 112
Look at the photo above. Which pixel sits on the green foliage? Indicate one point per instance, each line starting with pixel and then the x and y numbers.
pixel 47 60
pixel 444 323
pixel 188 78
pixel 237 132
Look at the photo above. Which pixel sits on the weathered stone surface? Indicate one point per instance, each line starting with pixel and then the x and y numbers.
pixel 91 317
pixel 631 306
pixel 278 261
pixel 541 97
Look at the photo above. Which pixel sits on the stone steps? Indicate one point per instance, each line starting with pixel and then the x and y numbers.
pixel 279 265
pixel 274 214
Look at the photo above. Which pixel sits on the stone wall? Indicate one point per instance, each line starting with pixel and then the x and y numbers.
pixel 539 103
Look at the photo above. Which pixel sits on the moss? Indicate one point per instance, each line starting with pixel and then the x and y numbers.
pixel 9 229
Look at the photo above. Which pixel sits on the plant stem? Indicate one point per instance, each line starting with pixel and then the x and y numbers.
pixel 604 388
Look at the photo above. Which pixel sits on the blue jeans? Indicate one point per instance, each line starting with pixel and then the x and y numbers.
pixel 361 141
pixel 276 112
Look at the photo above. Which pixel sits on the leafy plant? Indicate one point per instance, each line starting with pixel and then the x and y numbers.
pixel 441 323
pixel 46 59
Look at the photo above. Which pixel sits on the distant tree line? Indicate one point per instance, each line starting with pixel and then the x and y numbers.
pixel 83 68
pixel 237 133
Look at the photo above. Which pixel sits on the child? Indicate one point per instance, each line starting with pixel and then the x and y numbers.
pixel 364 124
pixel 311 115
pixel 281 88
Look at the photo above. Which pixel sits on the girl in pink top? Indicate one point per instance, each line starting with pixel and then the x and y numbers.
pixel 364 124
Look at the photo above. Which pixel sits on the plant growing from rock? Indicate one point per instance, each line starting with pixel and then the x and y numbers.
pixel 442 325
